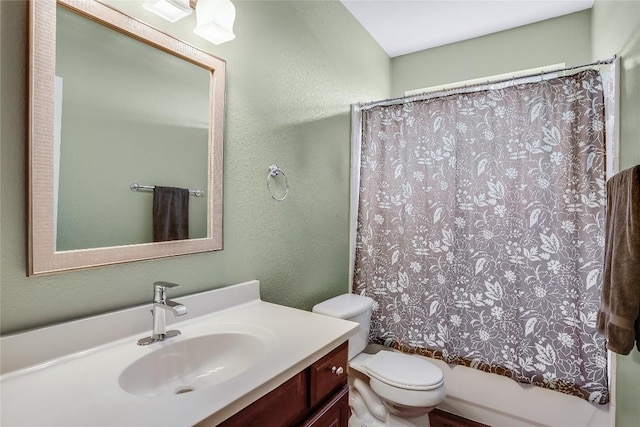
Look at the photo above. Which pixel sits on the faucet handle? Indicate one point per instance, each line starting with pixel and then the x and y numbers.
pixel 163 286
pixel 159 291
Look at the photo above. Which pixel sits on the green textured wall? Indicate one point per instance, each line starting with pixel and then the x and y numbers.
pixel 616 30
pixel 292 73
pixel 564 39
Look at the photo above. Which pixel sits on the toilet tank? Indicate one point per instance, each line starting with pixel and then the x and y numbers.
pixel 356 308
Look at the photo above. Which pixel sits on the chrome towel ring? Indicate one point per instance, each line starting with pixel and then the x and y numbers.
pixel 275 171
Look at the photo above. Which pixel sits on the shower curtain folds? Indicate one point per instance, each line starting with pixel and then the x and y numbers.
pixel 480 228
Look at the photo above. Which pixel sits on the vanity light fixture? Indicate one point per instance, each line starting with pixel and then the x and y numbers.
pixel 171 10
pixel 214 18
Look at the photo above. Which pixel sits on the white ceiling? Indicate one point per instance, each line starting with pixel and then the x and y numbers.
pixel 406 26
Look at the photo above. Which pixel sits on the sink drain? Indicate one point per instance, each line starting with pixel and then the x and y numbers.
pixel 183 390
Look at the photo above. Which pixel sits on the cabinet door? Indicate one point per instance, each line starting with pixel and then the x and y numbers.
pixel 335 413
pixel 284 406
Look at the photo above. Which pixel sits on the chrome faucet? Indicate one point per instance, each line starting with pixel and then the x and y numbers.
pixel 160 306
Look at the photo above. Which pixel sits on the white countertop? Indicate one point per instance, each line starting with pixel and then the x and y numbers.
pixel 71 385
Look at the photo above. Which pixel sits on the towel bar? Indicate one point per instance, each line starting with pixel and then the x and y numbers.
pixel 135 187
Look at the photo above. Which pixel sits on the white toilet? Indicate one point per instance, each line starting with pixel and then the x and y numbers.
pixel 386 388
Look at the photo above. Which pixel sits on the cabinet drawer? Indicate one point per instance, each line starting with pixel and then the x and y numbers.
pixel 328 374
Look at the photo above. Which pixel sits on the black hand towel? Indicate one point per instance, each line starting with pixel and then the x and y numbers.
pixel 170 213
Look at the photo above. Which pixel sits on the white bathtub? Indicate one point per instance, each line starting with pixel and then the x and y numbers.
pixel 501 402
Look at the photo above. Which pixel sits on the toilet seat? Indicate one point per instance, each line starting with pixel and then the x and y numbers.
pixel 404 371
pixel 395 397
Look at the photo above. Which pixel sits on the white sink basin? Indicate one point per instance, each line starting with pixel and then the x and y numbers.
pixel 234 349
pixel 190 365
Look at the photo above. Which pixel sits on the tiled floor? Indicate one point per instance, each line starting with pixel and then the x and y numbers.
pixel 440 418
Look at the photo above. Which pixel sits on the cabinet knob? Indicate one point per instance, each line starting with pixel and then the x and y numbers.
pixel 338 370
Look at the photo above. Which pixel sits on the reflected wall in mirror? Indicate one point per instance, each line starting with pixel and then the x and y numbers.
pixel 113 102
pixel 129 113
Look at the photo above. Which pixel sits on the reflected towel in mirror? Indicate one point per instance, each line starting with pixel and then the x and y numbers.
pixel 170 213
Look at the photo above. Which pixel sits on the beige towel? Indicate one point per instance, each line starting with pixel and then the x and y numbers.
pixel 620 307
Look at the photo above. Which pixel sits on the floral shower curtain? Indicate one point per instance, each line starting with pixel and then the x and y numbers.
pixel 480 230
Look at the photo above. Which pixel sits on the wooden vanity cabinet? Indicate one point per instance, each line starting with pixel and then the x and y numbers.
pixel 318 396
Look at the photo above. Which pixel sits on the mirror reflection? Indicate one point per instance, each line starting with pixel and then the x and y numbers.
pixel 128 112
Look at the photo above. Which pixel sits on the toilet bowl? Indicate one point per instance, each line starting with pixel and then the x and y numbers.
pixel 386 388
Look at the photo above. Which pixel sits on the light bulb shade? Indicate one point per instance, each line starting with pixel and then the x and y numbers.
pixel 215 20
pixel 171 10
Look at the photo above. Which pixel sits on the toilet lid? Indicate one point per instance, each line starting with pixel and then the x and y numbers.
pixel 404 371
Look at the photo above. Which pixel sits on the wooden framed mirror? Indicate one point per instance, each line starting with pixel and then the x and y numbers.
pixel 114 102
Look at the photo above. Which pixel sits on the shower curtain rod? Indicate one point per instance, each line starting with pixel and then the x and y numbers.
pixel 434 94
